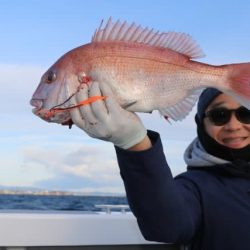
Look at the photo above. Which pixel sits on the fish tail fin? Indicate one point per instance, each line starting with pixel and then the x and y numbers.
pixel 239 81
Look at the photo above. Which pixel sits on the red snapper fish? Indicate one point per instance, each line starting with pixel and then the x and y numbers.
pixel 146 70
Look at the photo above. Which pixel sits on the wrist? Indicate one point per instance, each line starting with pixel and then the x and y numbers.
pixel 142 145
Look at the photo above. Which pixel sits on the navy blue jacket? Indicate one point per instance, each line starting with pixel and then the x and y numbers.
pixel 204 209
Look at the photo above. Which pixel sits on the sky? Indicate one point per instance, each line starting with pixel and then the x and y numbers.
pixel 35 33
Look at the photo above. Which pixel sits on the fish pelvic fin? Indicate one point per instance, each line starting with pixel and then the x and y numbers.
pixel 122 31
pixel 239 81
pixel 181 109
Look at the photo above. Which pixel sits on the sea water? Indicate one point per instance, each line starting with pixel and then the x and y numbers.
pixel 64 202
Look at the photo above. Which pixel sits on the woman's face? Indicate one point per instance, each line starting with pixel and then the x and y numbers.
pixel 233 134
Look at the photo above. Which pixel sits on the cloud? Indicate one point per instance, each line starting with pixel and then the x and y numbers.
pixel 87 166
pixel 94 164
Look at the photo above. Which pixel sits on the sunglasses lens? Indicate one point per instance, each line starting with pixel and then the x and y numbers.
pixel 243 115
pixel 219 116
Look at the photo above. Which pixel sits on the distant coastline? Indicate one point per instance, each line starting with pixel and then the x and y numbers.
pixel 24 191
pixel 31 192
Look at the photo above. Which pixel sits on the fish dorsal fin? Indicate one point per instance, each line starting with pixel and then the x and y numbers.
pixel 122 31
pixel 182 108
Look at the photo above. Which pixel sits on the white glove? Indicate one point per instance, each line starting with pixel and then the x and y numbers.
pixel 105 119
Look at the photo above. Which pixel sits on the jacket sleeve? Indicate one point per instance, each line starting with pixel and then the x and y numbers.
pixel 167 209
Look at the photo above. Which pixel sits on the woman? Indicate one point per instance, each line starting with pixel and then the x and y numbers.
pixel 208 206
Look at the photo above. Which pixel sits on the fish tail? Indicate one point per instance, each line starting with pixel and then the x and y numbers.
pixel 239 81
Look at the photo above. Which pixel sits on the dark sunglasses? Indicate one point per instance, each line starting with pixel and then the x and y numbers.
pixel 221 116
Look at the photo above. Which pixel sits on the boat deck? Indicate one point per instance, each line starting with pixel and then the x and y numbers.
pixel 49 230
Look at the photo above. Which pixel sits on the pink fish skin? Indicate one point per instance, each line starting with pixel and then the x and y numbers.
pixel 147 71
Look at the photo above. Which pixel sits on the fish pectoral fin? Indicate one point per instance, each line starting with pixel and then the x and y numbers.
pixel 182 108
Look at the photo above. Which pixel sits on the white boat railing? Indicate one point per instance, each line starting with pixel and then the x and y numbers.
pixel 21 230
pixel 109 208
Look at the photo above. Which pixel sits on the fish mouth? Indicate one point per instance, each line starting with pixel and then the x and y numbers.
pixel 47 115
pixel 50 116
pixel 38 107
pixel 35 111
pixel 37 103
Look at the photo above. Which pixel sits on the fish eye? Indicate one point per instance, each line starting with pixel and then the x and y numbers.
pixel 51 77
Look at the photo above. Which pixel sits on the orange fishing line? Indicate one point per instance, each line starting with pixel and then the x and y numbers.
pixel 53 111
